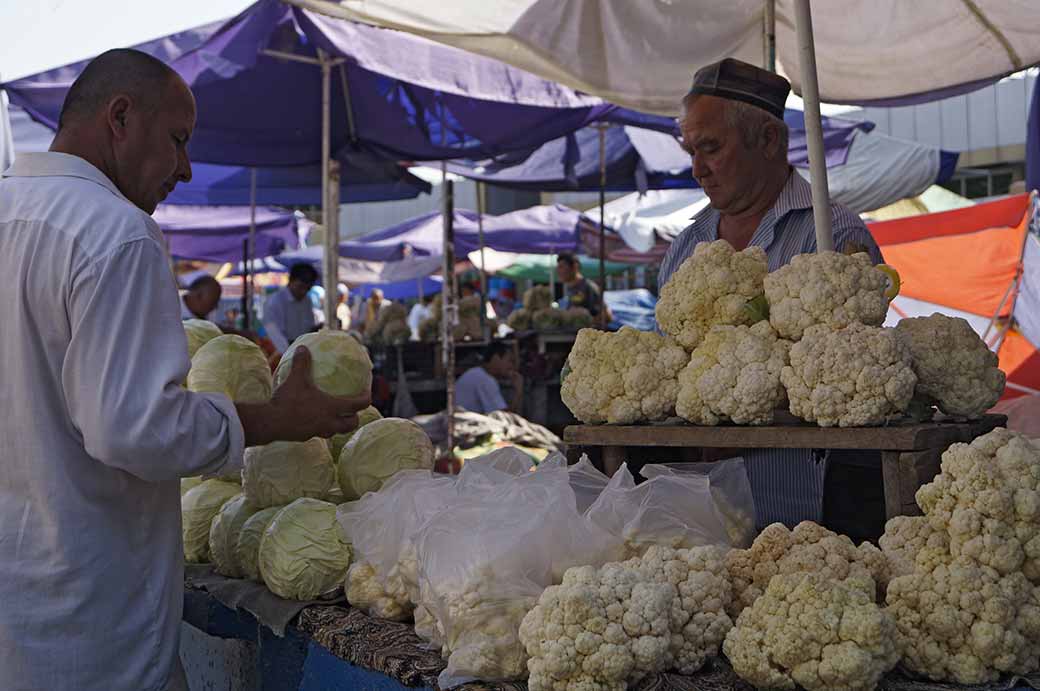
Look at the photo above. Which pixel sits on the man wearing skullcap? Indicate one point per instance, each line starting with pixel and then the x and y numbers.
pixel 732 126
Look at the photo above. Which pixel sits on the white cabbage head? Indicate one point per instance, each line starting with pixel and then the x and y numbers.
pixel 199 332
pixel 247 546
pixel 233 366
pixel 340 365
pixel 223 535
pixel 283 471
pixel 337 442
pixel 303 553
pixel 380 449
pixel 199 506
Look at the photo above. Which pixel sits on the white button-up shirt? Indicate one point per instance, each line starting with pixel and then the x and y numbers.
pixel 94 434
pixel 287 318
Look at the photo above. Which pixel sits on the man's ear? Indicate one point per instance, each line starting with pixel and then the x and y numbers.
pixel 771 140
pixel 116 115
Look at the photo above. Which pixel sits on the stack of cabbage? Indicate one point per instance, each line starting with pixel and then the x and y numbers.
pixel 808 334
pixel 277 526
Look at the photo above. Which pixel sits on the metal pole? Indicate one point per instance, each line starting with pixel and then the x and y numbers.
pixel 813 127
pixel 330 256
pixel 332 246
pixel 602 221
pixel 769 36
pixel 483 271
pixel 249 287
pixel 449 308
pixel 245 283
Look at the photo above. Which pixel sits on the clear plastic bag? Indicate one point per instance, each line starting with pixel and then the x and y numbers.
pixel 585 479
pixel 484 562
pixel 671 509
pixel 730 489
pixel 508 459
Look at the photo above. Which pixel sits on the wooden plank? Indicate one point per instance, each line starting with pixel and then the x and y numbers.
pixel 902 437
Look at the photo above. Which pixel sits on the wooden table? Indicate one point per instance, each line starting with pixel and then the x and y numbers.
pixel 910 452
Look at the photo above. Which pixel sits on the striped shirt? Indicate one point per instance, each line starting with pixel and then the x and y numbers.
pixel 787 484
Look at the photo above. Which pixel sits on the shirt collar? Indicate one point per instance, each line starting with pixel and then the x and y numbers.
pixel 47 164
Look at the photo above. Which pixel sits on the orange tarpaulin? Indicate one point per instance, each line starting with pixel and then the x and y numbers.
pixel 967 261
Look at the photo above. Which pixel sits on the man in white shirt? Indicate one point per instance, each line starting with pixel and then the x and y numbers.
pixel 201 298
pixel 289 313
pixel 478 391
pixel 96 430
pixel 419 313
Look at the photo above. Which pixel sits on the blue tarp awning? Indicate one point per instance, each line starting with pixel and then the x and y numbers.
pixel 218 233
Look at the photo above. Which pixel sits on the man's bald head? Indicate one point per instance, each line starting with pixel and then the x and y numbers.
pixel 203 296
pixel 123 71
pixel 130 116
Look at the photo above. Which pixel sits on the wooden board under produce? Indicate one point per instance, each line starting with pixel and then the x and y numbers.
pixel 909 451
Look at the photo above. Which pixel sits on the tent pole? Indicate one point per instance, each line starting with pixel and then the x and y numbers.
pixel 483 271
pixel 769 36
pixel 449 309
pixel 332 231
pixel 331 249
pixel 602 220
pixel 814 127
pixel 250 287
pixel 245 284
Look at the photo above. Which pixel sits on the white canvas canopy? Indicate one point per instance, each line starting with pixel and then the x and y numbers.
pixel 642 54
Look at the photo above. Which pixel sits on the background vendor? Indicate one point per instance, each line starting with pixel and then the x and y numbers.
pixel 578 291
pixel 288 314
pixel 478 389
pixel 201 298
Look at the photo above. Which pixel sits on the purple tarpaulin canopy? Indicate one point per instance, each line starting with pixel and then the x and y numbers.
pixel 256 110
pixel 217 233
pixel 536 230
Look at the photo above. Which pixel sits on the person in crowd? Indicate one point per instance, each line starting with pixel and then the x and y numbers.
pixel 97 429
pixel 370 309
pixel 733 128
pixel 343 306
pixel 201 298
pixel 478 389
pixel 288 313
pixel 578 291
pixel 420 312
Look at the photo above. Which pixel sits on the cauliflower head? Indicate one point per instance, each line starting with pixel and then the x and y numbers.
pixel 987 499
pixel 809 548
pixel 519 320
pixel 367 591
pixel 957 620
pixel 954 367
pixel 828 288
pixel 713 286
pixel 857 376
pixel 599 630
pixel 537 298
pixel 811 631
pixel 624 377
pixel 905 538
pixel 734 374
pixel 699 621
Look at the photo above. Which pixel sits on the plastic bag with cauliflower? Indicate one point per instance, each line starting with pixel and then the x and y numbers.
pixel 673 509
pixel 484 562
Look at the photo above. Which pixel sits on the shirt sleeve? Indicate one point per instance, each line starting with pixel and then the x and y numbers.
pixel 850 232
pixel 121 373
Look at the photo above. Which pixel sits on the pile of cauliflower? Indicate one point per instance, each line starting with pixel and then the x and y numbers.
pixel 391 327
pixel 965 595
pixel 468 327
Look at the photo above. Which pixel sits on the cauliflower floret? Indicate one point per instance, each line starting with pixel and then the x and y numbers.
pixel 814 632
pixel 987 499
pixel 624 377
pixel 826 288
pixel 734 374
pixel 809 548
pixel 712 287
pixel 954 367
pixel 857 376
pixel 960 621
pixel 905 537
pixel 366 591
